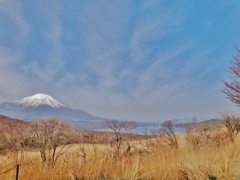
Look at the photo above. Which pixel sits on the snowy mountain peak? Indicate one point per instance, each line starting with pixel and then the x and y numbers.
pixel 40 99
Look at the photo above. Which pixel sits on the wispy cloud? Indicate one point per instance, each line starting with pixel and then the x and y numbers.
pixel 13 9
pixel 120 46
pixel 54 30
pixel 48 69
pixel 12 82
pixel 134 59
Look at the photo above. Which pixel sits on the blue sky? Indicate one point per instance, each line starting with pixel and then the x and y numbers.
pixel 144 60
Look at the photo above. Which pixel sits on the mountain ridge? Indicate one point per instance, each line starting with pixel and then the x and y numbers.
pixel 42 106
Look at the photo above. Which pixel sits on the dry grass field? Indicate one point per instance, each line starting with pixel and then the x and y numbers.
pixel 150 158
pixel 53 150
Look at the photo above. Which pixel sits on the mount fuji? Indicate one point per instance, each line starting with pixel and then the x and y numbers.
pixel 42 106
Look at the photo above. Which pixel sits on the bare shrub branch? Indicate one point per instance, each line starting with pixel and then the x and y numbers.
pixel 232 125
pixel 167 131
pixel 120 128
pixel 48 135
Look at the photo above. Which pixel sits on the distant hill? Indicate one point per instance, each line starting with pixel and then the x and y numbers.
pixel 6 121
pixel 190 124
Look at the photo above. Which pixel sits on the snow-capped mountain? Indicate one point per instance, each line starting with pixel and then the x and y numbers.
pixel 42 106
pixel 39 100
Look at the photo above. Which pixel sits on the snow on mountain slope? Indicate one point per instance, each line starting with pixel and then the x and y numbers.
pixel 43 106
pixel 39 100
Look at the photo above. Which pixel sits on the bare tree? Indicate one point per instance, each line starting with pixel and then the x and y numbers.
pixel 232 87
pixel 120 128
pixel 49 135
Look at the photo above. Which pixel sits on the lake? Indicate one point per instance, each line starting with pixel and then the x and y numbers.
pixel 147 130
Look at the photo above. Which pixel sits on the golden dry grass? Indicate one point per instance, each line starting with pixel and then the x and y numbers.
pixel 92 161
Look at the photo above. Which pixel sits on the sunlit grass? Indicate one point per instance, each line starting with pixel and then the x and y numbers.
pixel 93 161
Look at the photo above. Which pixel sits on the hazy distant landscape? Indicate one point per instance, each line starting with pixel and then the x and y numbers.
pixel 119 149
pixel 57 150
